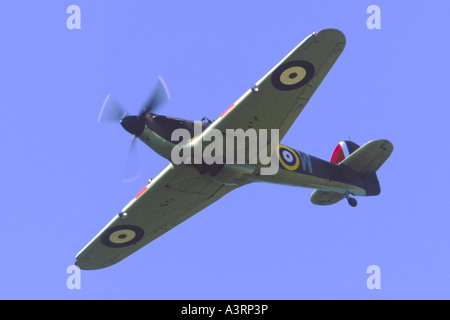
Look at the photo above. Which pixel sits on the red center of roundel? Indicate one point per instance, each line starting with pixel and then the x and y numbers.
pixel 122 236
pixel 288 156
pixel 293 75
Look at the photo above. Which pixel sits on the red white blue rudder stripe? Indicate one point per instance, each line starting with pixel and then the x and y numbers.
pixel 342 151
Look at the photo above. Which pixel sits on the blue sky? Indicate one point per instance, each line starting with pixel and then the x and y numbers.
pixel 61 170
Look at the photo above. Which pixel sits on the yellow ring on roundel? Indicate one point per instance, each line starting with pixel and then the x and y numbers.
pixel 288 158
pixel 122 236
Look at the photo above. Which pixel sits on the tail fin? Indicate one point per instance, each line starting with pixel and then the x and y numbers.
pixel 364 161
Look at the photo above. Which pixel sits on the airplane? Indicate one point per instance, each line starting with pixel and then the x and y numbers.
pixel 180 191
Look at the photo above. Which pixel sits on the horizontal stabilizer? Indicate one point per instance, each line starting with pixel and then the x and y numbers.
pixel 324 198
pixel 369 157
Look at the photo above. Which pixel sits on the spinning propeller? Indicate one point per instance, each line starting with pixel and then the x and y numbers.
pixel 113 112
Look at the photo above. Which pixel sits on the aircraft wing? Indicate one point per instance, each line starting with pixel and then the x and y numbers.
pixel 176 194
pixel 278 98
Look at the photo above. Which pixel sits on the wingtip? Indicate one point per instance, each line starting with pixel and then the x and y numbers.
pixel 86 266
pixel 331 33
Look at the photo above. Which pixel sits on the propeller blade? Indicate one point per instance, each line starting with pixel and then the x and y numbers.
pixel 132 168
pixel 111 111
pixel 158 97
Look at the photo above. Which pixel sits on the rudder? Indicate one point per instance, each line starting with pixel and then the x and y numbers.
pixel 343 150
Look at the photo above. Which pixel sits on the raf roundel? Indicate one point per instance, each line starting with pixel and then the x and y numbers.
pixel 292 75
pixel 288 158
pixel 122 236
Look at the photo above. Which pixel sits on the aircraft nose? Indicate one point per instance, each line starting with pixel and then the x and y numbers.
pixel 133 124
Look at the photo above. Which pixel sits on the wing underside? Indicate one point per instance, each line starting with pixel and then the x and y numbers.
pixel 278 98
pixel 176 194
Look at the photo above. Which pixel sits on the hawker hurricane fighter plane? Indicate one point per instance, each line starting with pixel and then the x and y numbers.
pixel 184 188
